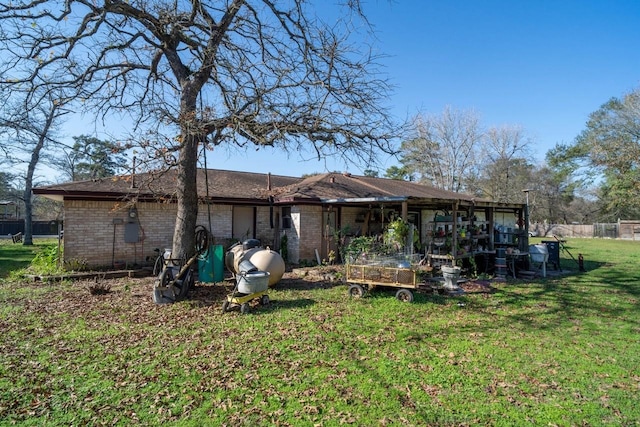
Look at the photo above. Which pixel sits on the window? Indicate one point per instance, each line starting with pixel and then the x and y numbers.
pixel 286 216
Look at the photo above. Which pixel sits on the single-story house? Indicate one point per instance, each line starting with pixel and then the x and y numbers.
pixel 124 218
pixel 8 209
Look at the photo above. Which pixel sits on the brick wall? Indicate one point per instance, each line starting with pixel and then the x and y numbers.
pixel 268 236
pixel 349 219
pixel 94 231
pixel 221 221
pixel 308 224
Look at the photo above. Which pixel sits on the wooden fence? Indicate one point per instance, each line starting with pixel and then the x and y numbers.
pixel 627 230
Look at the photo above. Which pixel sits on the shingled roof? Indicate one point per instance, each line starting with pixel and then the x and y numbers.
pixel 223 185
pixel 337 187
pixel 248 187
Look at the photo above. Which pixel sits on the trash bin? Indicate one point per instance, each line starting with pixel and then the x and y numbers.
pixel 211 266
pixel 553 247
pixel 501 263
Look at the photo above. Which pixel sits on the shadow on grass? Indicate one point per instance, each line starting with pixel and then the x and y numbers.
pixel 291 304
pixel 306 285
pixel 17 256
pixel 212 295
pixel 604 292
pixel 420 296
pixel 14 257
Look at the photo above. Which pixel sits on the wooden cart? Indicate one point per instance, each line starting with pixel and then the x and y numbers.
pixel 364 278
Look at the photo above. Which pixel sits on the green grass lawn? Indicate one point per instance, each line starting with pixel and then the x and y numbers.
pixel 560 351
pixel 16 256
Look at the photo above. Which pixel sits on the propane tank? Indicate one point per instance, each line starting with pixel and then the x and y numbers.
pixel 264 259
pixel 270 261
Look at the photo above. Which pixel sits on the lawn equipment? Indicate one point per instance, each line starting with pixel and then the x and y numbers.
pixel 251 284
pixel 390 273
pixel 579 261
pixel 177 275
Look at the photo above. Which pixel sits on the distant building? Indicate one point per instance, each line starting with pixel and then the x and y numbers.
pixel 8 210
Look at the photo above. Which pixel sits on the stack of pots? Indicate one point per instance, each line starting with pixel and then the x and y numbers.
pixel 501 263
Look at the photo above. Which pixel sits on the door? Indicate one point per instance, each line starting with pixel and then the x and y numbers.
pixel 329 245
pixel 244 223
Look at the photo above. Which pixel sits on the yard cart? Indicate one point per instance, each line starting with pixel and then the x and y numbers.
pixel 399 275
pixel 174 282
pixel 251 284
pixel 237 299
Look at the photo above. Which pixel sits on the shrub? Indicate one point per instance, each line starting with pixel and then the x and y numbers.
pixel 46 261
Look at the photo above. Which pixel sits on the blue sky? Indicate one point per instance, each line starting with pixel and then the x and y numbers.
pixel 541 64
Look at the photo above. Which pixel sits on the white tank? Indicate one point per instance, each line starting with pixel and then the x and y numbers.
pixel 269 261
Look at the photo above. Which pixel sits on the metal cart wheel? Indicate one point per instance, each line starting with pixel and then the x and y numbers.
pixel 167 294
pixel 159 297
pixel 356 291
pixel 183 285
pixel 404 295
pixel 158 265
pixel 225 306
pixel 244 308
pixel 264 300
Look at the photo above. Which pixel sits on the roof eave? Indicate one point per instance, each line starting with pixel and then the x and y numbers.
pixel 384 199
pixel 62 195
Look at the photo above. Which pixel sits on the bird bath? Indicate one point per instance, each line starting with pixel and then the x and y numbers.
pixel 451 275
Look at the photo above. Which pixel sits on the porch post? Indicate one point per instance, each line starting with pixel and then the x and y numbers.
pixel 454 237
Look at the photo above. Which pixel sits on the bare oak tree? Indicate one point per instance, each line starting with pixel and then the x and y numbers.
pixel 444 149
pixel 29 124
pixel 506 170
pixel 244 72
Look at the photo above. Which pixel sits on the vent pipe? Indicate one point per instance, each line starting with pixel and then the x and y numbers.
pixel 133 173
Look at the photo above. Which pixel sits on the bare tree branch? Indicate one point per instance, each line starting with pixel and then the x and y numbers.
pixel 232 72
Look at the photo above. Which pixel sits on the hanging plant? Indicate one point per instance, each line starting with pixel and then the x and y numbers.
pixel 397 233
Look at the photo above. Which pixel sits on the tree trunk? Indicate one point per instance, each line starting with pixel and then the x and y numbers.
pixel 27 239
pixel 187 193
pixel 28 183
pixel 42 134
pixel 184 232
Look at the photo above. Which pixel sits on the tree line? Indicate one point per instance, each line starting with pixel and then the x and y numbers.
pixel 595 178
